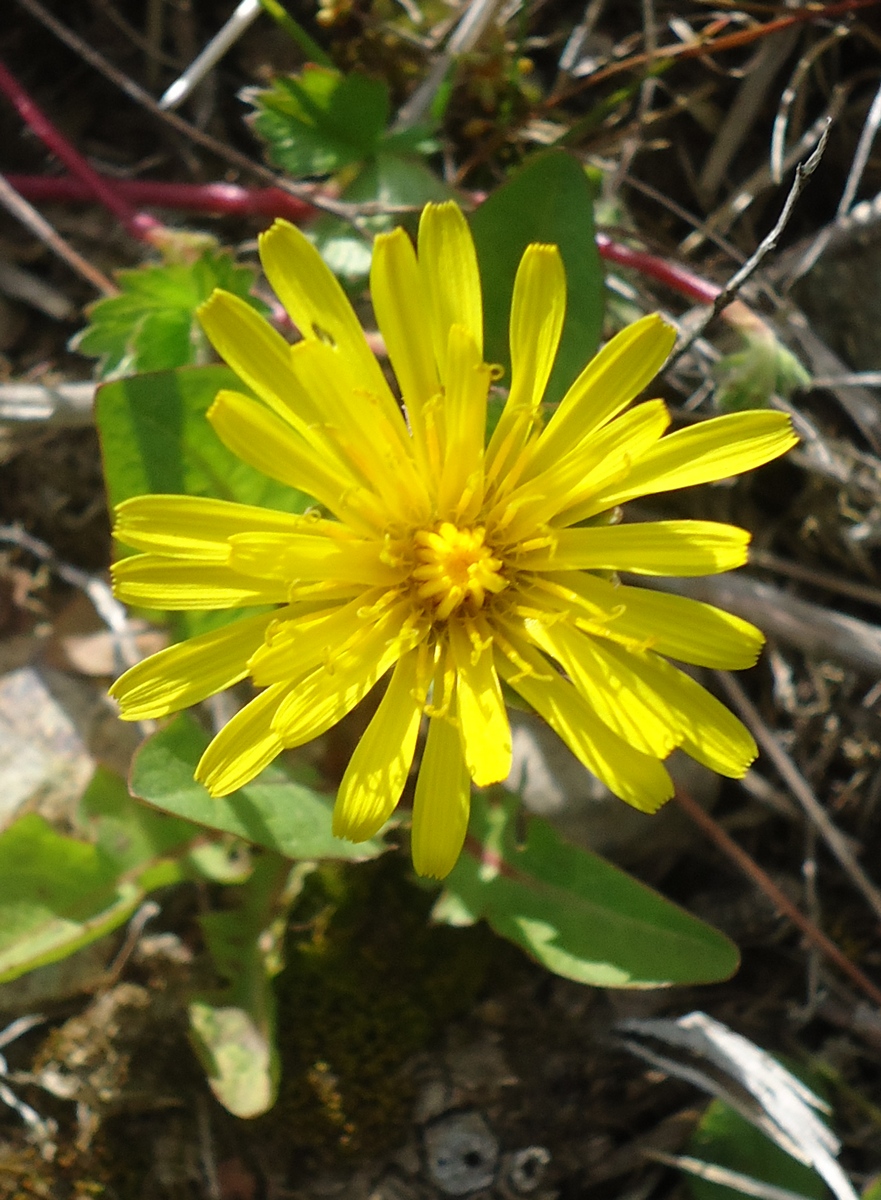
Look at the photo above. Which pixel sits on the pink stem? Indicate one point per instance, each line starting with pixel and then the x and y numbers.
pixel 672 275
pixel 140 225
pixel 232 200
pixel 216 198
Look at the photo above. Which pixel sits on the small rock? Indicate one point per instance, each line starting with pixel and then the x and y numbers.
pixel 461 1153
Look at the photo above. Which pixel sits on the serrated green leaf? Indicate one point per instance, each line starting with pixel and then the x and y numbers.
pixel 58 893
pixel 578 915
pixel 279 810
pixel 151 325
pixel 548 200
pixel 320 121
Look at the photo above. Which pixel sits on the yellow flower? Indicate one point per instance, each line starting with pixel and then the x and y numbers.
pixel 446 564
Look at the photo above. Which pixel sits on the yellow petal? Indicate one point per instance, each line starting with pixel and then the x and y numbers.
pixel 714 449
pixel 328 693
pixel 650 548
pixel 197 527
pixel 400 304
pixel 483 720
pixel 244 746
pixel 708 731
pixel 265 442
pixel 317 304
pixel 450 278
pixel 620 371
pixel 609 455
pixel 612 686
pixel 677 626
pixel 468 378
pixel 380 765
pixel 538 309
pixel 329 638
pixel 256 352
pixel 442 802
pixel 637 778
pixel 301 556
pixel 151 581
pixel 188 673
pixel 379 451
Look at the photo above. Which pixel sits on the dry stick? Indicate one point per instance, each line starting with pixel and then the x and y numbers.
pixel 760 180
pixel 778 898
pixel 40 228
pixel 803 792
pixel 803 172
pixel 140 225
pixel 349 212
pixel 857 167
pixel 789 95
pixel 108 608
pixel 706 46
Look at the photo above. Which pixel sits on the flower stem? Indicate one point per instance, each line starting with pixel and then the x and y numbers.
pixel 219 199
pixel 229 199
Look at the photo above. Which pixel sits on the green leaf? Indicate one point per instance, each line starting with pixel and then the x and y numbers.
pixel 155 438
pixel 320 121
pixel 388 180
pixel 279 810
pixel 58 893
pixel 726 1139
pixel 128 833
pixel 548 200
pixel 578 915
pixel 233 1028
pixel 151 325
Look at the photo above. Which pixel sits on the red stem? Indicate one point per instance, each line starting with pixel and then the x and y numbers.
pixel 672 275
pixel 232 200
pixel 140 225
pixel 227 199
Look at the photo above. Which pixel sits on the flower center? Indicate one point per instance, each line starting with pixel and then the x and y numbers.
pixel 454 568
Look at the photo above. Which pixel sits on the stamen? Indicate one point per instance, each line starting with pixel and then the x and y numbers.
pixel 453 568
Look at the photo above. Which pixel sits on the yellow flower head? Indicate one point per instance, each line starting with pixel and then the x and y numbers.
pixel 440 562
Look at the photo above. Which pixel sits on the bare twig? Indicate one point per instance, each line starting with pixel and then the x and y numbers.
pixel 63 404
pixel 242 18
pixel 745 1185
pixel 40 228
pixel 804 794
pixel 474 21
pixel 108 608
pixel 778 898
pixel 857 167
pixel 350 212
pixel 787 99
pixel 803 173
pixel 725 216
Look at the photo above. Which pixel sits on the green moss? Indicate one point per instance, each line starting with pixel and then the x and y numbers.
pixel 368 983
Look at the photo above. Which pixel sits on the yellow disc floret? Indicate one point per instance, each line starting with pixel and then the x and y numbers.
pixel 454 568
